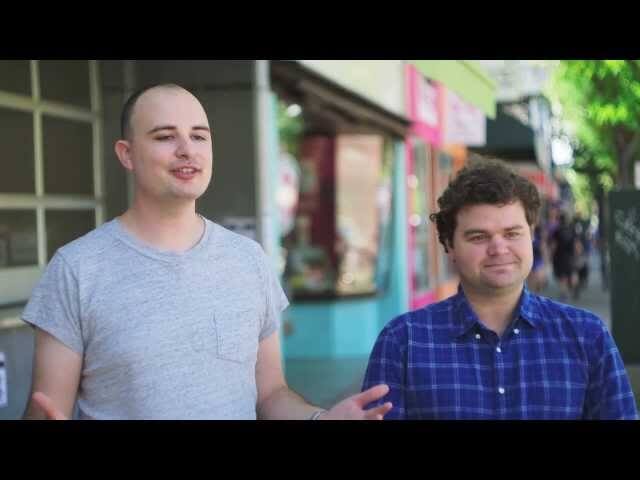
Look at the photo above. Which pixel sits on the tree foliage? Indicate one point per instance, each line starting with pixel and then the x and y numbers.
pixel 600 107
pixel 290 128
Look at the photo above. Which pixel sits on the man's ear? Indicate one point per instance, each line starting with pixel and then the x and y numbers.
pixel 450 254
pixel 449 250
pixel 123 151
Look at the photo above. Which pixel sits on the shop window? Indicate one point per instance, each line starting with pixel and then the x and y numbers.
pixel 64 226
pixel 337 238
pixel 65 81
pixel 15 77
pixel 16 138
pixel 358 189
pixel 67 152
pixel 18 240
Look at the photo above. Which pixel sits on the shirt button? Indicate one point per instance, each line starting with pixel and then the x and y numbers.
pixel 478 336
pixel 499 350
pixel 516 331
pixel 501 390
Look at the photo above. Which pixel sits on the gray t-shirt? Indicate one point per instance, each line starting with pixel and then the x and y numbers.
pixel 162 335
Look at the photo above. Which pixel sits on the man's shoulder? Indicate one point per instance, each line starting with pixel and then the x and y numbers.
pixel 423 317
pixel 441 306
pixel 91 245
pixel 549 310
pixel 225 239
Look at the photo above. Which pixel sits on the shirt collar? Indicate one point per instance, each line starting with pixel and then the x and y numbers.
pixel 464 318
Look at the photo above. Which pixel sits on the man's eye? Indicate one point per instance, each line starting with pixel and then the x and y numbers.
pixel 164 137
pixel 200 138
pixel 477 238
pixel 513 234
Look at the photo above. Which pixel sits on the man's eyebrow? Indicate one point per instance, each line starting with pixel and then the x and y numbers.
pixel 161 127
pixel 474 231
pixel 173 127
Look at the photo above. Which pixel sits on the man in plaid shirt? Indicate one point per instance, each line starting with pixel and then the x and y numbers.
pixel 495 350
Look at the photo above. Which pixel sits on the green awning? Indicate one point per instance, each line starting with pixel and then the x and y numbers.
pixel 466 78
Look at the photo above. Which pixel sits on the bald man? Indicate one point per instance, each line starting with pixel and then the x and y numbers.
pixel 160 313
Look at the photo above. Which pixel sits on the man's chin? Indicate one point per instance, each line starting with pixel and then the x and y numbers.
pixel 189 195
pixel 504 287
pixel 493 286
pixel 503 284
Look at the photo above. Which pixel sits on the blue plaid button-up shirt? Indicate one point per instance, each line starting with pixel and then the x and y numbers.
pixel 553 362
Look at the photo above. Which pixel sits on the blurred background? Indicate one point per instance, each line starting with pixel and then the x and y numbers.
pixel 334 166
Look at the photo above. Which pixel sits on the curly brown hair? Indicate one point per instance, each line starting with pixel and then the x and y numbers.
pixel 483 182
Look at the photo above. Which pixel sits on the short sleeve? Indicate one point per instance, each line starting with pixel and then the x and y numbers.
pixel 276 300
pixel 54 304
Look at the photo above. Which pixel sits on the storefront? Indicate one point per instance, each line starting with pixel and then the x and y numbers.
pixel 341 203
pixel 358 247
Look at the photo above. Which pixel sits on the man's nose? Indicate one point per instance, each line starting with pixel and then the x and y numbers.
pixel 497 245
pixel 184 148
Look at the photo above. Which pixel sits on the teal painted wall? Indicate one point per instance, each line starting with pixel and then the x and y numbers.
pixel 312 330
pixel 355 327
pixel 397 300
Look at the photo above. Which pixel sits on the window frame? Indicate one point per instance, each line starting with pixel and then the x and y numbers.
pixel 17 282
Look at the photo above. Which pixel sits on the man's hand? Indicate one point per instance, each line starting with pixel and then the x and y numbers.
pixel 50 411
pixel 352 408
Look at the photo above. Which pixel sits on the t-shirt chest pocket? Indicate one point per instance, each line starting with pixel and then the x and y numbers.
pixel 236 333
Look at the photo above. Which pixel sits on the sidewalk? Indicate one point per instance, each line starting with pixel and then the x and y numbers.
pixel 594 297
pixel 326 381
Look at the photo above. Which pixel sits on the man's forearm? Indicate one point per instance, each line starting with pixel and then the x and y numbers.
pixel 285 404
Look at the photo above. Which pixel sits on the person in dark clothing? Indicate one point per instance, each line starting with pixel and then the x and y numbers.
pixel 537 279
pixel 583 252
pixel 563 256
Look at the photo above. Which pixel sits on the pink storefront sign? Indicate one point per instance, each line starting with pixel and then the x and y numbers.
pixel 425 98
